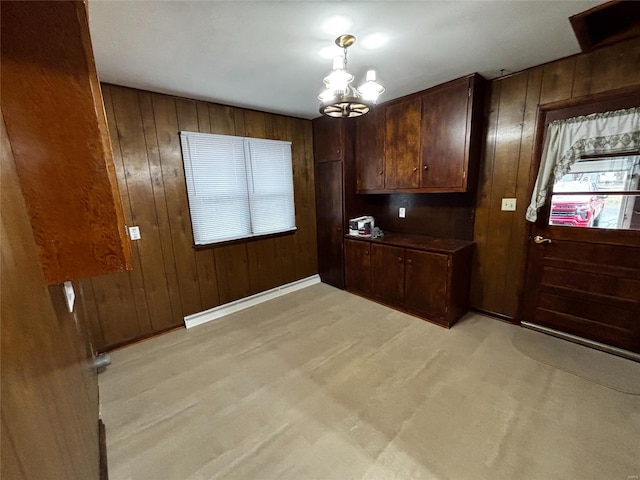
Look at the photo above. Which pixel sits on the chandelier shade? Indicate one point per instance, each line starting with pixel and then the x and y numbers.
pixel 340 99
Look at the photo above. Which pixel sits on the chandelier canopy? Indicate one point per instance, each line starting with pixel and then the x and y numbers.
pixel 340 99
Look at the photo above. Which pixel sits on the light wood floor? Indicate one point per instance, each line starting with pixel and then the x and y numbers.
pixel 321 384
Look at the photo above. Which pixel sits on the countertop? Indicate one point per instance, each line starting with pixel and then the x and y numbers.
pixel 418 242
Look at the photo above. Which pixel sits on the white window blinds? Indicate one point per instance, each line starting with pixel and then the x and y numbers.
pixel 237 187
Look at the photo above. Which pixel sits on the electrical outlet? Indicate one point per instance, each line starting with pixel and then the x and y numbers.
pixel 134 233
pixel 509 204
pixel 402 212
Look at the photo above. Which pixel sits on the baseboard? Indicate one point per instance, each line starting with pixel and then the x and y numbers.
pixel 228 308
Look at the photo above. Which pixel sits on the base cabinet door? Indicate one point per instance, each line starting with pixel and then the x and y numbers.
pixel 387 273
pixel 358 266
pixel 426 280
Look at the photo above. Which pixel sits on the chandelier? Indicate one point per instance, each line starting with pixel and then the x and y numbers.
pixel 339 98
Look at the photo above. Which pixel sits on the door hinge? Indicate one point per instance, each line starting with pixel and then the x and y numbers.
pixel 464 174
pixel 448 263
pixel 469 92
pixel 446 309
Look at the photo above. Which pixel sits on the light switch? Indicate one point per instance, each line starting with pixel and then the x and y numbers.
pixel 509 204
pixel 401 212
pixel 134 233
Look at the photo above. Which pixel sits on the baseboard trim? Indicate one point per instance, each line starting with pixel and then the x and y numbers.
pixel 583 341
pixel 237 305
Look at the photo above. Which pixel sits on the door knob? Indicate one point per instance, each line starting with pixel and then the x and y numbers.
pixel 538 239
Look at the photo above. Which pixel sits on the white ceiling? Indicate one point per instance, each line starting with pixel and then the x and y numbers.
pixel 266 55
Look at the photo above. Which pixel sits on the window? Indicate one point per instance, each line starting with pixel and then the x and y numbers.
pixel 599 192
pixel 237 187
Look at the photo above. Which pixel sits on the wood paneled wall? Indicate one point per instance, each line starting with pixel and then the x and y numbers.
pixel 170 278
pixel 49 394
pixel 502 237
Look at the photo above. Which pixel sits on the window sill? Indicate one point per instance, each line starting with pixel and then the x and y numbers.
pixel 236 241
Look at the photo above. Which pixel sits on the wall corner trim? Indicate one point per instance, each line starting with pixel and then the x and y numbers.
pixel 237 305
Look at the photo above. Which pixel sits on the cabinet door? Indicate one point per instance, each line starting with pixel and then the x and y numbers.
pixel 387 273
pixel 370 132
pixel 55 120
pixel 402 145
pixel 328 139
pixel 445 137
pixel 358 266
pixel 426 283
pixel 329 218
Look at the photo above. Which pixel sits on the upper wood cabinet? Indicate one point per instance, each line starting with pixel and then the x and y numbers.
pixel 429 141
pixel 446 115
pixel 56 124
pixel 402 145
pixel 328 139
pixel 370 133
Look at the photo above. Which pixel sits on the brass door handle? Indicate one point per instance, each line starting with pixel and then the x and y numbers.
pixel 538 239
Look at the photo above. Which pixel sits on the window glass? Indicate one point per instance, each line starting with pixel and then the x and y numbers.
pixel 599 193
pixel 237 187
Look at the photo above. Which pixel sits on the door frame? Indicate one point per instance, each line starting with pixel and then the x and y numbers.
pixel 546 113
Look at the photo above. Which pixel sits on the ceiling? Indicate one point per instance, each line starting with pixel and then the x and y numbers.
pixel 266 55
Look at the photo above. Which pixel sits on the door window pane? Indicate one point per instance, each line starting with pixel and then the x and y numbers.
pixel 594 194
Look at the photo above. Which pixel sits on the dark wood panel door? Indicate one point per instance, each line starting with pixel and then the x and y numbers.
pixel 445 122
pixel 370 133
pixel 387 273
pixel 580 280
pixel 49 427
pixel 328 144
pixel 426 282
pixel 358 266
pixel 402 144
pixel 330 222
pixel 585 284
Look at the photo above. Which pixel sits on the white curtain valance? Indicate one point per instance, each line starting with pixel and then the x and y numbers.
pixel 569 139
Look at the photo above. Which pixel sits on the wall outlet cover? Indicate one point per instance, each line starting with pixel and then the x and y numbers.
pixel 402 212
pixel 134 233
pixel 509 204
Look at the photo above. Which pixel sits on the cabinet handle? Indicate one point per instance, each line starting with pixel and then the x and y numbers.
pixel 381 172
pixel 409 261
pixel 399 259
pixel 366 252
pixel 415 169
pixel 426 167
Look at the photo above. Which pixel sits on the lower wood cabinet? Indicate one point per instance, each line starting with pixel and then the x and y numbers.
pixel 387 273
pixel 425 276
pixel 358 266
pixel 426 268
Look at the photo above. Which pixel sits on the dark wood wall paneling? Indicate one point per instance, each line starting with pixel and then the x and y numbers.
pixel 49 394
pixel 170 278
pixel 501 237
pixel 448 215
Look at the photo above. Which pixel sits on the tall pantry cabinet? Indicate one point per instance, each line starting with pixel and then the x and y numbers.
pixel 329 151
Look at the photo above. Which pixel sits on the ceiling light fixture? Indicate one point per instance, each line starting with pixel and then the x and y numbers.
pixel 339 98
